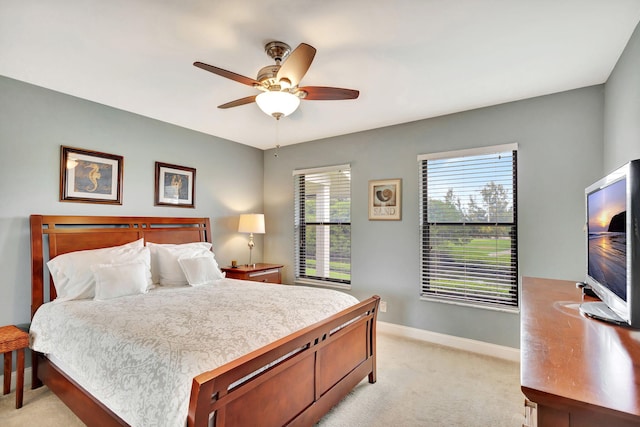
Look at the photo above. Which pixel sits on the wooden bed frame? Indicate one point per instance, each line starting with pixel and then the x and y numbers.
pixel 310 370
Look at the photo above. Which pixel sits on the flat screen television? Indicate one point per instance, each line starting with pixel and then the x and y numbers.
pixel 613 246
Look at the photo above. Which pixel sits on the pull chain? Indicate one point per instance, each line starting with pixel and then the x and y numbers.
pixel 277 138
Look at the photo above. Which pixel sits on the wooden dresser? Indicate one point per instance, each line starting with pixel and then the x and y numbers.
pixel 579 371
pixel 268 273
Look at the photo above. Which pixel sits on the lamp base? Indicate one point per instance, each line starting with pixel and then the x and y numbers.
pixel 251 244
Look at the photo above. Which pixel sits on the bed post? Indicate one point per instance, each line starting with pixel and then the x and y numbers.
pixel 37 285
pixel 372 342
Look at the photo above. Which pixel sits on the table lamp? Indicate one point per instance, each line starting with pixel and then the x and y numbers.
pixel 251 223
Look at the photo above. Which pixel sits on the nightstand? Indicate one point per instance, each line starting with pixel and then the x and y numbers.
pixel 12 338
pixel 268 273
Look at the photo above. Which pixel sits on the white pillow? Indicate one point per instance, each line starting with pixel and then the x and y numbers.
pixel 72 275
pixel 200 270
pixel 118 280
pixel 170 273
pixel 153 247
pixel 155 270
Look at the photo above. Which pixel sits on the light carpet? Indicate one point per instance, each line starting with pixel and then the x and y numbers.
pixel 419 384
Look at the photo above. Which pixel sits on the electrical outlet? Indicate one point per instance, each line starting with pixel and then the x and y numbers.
pixel 383 306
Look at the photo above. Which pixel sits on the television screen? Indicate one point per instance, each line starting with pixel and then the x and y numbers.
pixel 607 240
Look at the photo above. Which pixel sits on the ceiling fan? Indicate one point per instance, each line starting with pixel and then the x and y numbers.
pixel 281 94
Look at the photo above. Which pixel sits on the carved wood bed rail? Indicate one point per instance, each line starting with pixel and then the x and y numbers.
pixel 292 381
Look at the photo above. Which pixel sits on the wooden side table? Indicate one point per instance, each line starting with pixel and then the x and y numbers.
pixel 12 338
pixel 267 273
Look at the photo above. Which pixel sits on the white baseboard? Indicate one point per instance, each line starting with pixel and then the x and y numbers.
pixel 481 347
pixel 27 379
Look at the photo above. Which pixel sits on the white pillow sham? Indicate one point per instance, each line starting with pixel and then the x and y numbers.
pixel 201 270
pixel 155 265
pixel 72 275
pixel 169 271
pixel 118 280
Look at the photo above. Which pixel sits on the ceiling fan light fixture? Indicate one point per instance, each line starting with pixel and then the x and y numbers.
pixel 277 104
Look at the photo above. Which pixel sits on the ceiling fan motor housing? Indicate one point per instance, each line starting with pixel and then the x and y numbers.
pixel 277 50
pixel 267 75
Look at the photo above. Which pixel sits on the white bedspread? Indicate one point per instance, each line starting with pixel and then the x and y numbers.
pixel 139 354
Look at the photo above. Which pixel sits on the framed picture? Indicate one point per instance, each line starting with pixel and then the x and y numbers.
pixel 385 199
pixel 90 176
pixel 175 185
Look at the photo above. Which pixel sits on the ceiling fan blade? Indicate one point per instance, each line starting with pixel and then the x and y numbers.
pixel 238 102
pixel 228 74
pixel 297 63
pixel 321 93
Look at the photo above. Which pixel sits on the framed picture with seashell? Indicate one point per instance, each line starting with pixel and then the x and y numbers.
pixel 385 199
pixel 175 186
pixel 90 176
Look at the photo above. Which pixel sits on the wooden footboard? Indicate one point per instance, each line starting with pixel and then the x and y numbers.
pixel 307 373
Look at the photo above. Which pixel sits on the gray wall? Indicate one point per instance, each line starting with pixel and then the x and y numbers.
pixel 622 112
pixel 560 153
pixel 35 122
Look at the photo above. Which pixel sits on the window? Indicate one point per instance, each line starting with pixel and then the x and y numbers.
pixel 468 227
pixel 322 217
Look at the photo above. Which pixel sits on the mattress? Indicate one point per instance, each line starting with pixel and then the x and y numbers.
pixel 138 354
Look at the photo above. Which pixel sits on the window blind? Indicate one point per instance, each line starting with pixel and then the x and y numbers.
pixel 322 224
pixel 468 227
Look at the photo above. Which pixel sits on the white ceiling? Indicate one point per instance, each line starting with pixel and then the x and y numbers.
pixel 410 59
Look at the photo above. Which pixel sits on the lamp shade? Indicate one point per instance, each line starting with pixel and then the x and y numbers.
pixel 251 223
pixel 277 104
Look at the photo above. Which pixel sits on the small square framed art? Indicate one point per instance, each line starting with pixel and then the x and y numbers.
pixel 385 199
pixel 175 185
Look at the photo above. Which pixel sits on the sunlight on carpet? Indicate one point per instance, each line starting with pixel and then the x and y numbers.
pixel 422 384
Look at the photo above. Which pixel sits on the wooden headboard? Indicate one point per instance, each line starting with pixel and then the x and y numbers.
pixel 62 234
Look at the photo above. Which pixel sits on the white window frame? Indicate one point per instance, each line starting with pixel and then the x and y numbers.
pixel 323 217
pixel 432 266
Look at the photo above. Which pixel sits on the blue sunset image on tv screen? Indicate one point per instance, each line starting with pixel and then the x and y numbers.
pixel 607 247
